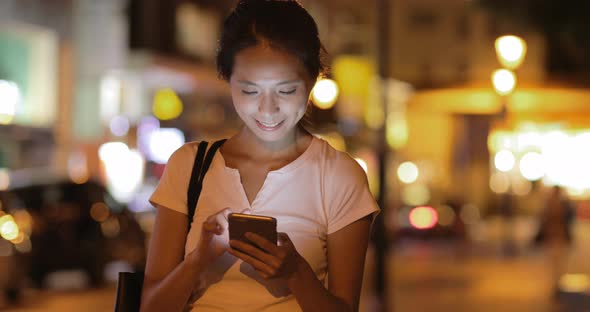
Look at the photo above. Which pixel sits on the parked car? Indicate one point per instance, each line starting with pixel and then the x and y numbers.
pixel 66 227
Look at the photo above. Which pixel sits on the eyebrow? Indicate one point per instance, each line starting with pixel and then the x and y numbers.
pixel 250 83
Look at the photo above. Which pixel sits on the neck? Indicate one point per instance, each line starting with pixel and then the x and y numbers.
pixel 292 145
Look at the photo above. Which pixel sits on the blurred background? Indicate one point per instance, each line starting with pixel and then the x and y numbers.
pixel 471 119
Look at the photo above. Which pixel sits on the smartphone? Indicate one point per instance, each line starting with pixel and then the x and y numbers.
pixel 264 226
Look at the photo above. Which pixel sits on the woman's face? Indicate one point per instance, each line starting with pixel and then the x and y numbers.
pixel 270 91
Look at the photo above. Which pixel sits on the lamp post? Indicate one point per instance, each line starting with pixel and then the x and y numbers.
pixel 383 271
pixel 510 51
pixel 504 81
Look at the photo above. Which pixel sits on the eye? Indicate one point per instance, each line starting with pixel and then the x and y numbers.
pixel 248 92
pixel 288 92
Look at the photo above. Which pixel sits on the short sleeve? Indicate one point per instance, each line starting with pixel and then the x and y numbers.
pixel 173 185
pixel 348 197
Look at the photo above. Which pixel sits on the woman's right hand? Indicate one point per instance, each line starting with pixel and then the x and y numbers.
pixel 214 239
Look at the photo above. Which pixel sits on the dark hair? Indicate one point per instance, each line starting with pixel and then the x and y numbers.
pixel 282 24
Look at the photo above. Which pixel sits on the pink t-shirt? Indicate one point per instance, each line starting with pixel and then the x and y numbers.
pixel 317 194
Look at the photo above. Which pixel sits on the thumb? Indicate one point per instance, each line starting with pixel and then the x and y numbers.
pixel 246 211
pixel 211 226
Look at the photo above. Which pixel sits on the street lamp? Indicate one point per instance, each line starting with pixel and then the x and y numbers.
pixel 510 51
pixel 504 81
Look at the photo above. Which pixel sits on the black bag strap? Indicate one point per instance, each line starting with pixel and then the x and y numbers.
pixel 191 199
pixel 129 285
pixel 200 167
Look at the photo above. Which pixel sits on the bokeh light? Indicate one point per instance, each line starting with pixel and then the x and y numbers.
pixel 119 126
pixel 520 186
pixel 10 98
pixel 325 93
pixel 111 227
pixel 423 217
pixel 24 220
pixel 124 169
pixel 499 140
pixel 110 96
pixel 25 245
pixel 510 50
pixel 499 182
pixel 8 228
pixel 408 172
pixel 78 167
pixel 575 282
pixel 531 166
pixel 504 81
pixel 550 153
pixel 145 128
pixel 167 104
pixel 397 131
pixel 163 142
pixel 504 160
pixel 19 238
pixel 112 151
pixel 446 215
pixel 335 140
pixel 99 212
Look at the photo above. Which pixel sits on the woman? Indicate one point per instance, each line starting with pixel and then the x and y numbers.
pixel 270 54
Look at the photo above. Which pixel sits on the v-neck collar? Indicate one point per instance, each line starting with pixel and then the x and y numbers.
pixel 218 160
pixel 285 169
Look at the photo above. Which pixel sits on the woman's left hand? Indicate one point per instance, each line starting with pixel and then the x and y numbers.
pixel 268 259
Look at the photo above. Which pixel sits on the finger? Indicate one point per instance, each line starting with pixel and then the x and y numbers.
pixel 222 216
pixel 257 264
pixel 283 239
pixel 262 242
pixel 218 220
pixel 225 212
pixel 212 223
pixel 212 226
pixel 211 218
pixel 255 252
pixel 263 274
pixel 246 211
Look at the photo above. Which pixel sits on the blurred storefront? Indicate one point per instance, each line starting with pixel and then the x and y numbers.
pixel 28 93
pixel 533 113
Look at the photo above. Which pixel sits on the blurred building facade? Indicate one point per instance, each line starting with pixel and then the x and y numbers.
pixel 112 59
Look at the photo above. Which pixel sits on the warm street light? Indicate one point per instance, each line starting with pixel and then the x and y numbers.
pixel 504 81
pixel 510 51
pixel 325 93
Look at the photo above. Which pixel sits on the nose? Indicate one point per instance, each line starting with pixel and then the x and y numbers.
pixel 268 105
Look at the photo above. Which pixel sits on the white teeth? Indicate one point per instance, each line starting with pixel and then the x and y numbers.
pixel 269 125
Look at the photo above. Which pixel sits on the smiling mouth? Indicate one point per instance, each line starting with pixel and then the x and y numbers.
pixel 268 126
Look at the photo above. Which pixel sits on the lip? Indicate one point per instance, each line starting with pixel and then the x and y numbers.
pixel 266 128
